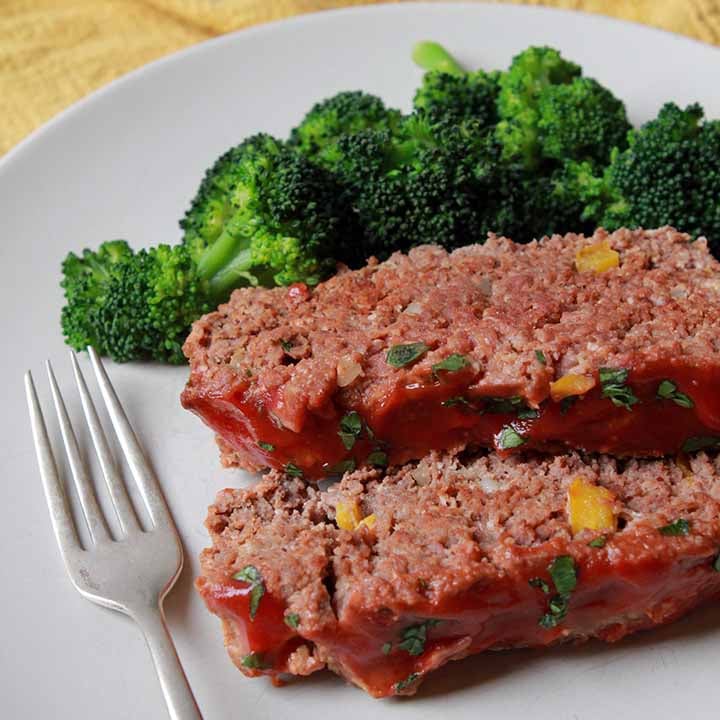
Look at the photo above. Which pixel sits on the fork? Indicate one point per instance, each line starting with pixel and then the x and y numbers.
pixel 135 572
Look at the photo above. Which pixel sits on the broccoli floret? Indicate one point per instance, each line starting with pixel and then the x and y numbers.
pixel 581 120
pixel 669 175
pixel 264 214
pixel 343 114
pixel 132 306
pixel 449 94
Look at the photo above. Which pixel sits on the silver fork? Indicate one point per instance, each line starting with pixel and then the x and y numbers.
pixel 134 573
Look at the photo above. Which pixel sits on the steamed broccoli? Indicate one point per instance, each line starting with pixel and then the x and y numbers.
pixel 548 112
pixel 669 175
pixel 132 306
pixel 343 114
pixel 265 215
pixel 449 94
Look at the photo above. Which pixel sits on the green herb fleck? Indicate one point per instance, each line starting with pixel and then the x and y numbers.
pixel 452 363
pixel 286 345
pixel 598 542
pixel 509 438
pixel 293 470
pixel 539 583
pixel 377 458
pixel 456 401
pixel 615 388
pixel 528 414
pixel 251 575
pixel 407 682
pixel 386 648
pixel 266 446
pixel 667 390
pixel 292 620
pixel 563 573
pixel 501 405
pixel 557 610
pixel 540 357
pixel 700 442
pixel 400 355
pixel 675 528
pixel 344 466
pixel 716 564
pixel 350 429
pixel 413 638
pixel 254 661
pixel 567 403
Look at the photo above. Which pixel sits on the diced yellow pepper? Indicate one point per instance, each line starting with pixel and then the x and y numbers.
pixel 569 385
pixel 347 515
pixel 590 507
pixel 598 258
pixel 684 464
pixel 368 521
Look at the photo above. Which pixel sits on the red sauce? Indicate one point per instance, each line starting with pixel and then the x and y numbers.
pixel 415 419
pixel 613 597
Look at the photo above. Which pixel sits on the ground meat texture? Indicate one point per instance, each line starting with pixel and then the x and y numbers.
pixel 274 371
pixel 455 555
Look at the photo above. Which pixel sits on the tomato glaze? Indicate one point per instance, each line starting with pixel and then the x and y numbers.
pixel 452 410
pixel 621 588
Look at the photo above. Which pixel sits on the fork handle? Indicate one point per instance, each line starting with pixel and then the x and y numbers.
pixel 180 701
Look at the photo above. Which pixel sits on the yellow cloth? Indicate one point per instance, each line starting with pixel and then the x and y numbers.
pixel 53 52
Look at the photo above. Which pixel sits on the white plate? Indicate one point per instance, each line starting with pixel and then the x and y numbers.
pixel 124 163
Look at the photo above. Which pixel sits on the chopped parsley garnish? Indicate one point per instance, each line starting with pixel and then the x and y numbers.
pixel 386 648
pixel 455 401
pixel 407 682
pixel 540 357
pixel 251 575
pixel 509 438
pixel 413 638
pixel 675 528
pixel 700 442
pixel 528 414
pixel 539 583
pixel 614 387
pixel 292 620
pixel 293 470
pixel 377 458
pixel 567 403
pixel 452 363
pixel 266 446
pixel 344 466
pixel 286 345
pixel 500 405
pixel 350 428
pixel 667 390
pixel 598 542
pixel 716 564
pixel 400 355
pixel 254 661
pixel 563 572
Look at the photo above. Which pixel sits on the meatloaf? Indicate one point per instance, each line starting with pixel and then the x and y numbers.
pixel 609 343
pixel 390 574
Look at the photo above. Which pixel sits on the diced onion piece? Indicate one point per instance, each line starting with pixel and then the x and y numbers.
pixel 597 258
pixel 368 521
pixel 590 507
pixel 347 515
pixel 569 385
pixel 348 370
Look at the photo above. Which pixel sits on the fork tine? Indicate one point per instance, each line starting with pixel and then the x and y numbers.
pixel 113 479
pixel 60 516
pixel 91 510
pixel 134 455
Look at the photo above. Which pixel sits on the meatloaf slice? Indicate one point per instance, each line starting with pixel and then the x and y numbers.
pixel 384 577
pixel 608 343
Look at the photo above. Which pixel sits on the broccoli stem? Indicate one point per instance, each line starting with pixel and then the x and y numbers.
pixel 433 56
pixel 227 278
pixel 220 253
